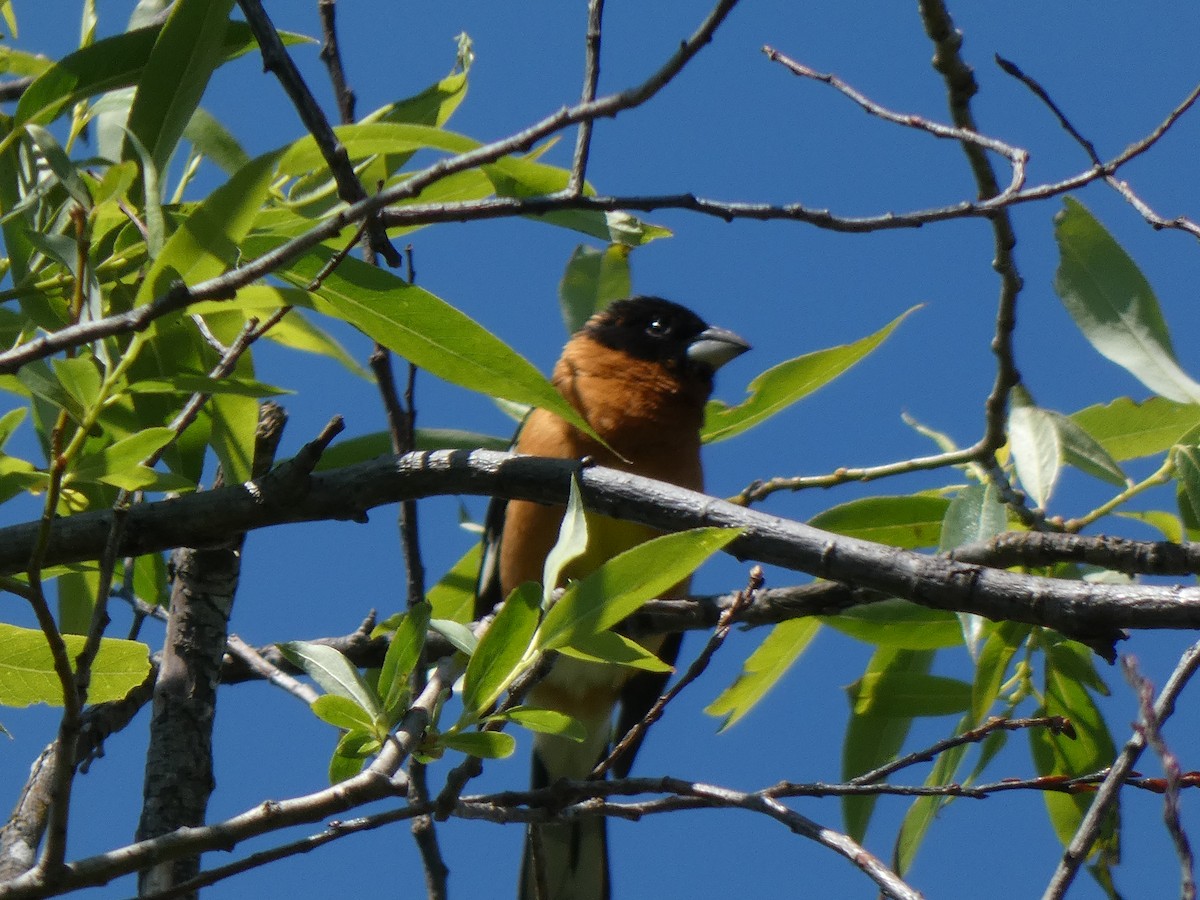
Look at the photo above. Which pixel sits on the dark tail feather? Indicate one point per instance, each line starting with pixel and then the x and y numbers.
pixel 564 862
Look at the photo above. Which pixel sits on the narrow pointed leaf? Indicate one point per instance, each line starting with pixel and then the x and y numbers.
pixel 1084 452
pixel 610 647
pixel 404 651
pixel 484 744
pixel 763 670
pixel 189 47
pixel 332 672
pixel 571 544
pixel 781 386
pixel 907 522
pixel 898 623
pixel 497 659
pixel 874 739
pixel 342 712
pixel 624 583
pixel 592 279
pixel 1037 451
pixel 545 721
pixel 1114 306
pixel 208 241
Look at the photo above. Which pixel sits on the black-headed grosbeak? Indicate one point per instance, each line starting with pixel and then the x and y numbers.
pixel 640 373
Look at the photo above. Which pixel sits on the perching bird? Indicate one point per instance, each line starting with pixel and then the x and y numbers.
pixel 639 373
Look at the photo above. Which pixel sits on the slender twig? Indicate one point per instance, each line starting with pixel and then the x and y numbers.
pixel 760 490
pixel 1106 794
pixel 634 736
pixel 267 670
pixel 1150 726
pixel 591 77
pixel 1054 724
pixel 276 59
pixel 1016 156
pixel 961 87
pixel 1121 187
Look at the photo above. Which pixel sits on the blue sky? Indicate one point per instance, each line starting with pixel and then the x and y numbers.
pixel 738 127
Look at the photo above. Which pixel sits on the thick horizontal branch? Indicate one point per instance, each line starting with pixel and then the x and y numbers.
pixel 1078 608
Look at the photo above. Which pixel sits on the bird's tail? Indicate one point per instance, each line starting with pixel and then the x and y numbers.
pixel 567 861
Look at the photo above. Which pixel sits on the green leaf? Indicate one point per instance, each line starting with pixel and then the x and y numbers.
pixel 234 424
pixel 629 231
pixel 404 652
pixel 186 383
pixel 592 279
pixel 109 64
pixel 208 241
pixel 571 544
pixel 907 522
pixel 60 164
pixel 1090 750
pixel 349 756
pixel 453 597
pixel 544 721
pixel 1114 306
pixel 1165 523
pixel 872 740
pixel 990 670
pixel 212 139
pixel 975 514
pixel 924 810
pixel 1037 451
pixel 898 694
pixel 426 331
pixel 123 455
pixel 1187 474
pixel 456 633
pixel 80 378
pixel 763 669
pixel 898 623
pixel 1127 429
pixel 76 590
pixel 782 385
pixel 10 421
pixel 610 647
pixel 27 668
pixel 484 744
pixel 625 582
pixel 502 650
pixel 1084 452
pixel 332 672
pixel 342 712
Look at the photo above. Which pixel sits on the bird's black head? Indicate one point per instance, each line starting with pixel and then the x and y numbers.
pixel 658 330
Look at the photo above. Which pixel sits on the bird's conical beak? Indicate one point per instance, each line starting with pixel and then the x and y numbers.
pixel 716 346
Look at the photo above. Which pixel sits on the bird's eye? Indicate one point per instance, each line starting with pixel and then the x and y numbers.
pixel 658 328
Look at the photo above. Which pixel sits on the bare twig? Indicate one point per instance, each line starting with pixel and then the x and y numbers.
pixel 1150 727
pixel 591 77
pixel 1121 187
pixel 1016 156
pixel 1055 724
pixel 267 670
pixel 633 737
pixel 276 59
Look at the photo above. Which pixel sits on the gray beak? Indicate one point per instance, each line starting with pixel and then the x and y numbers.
pixel 716 346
